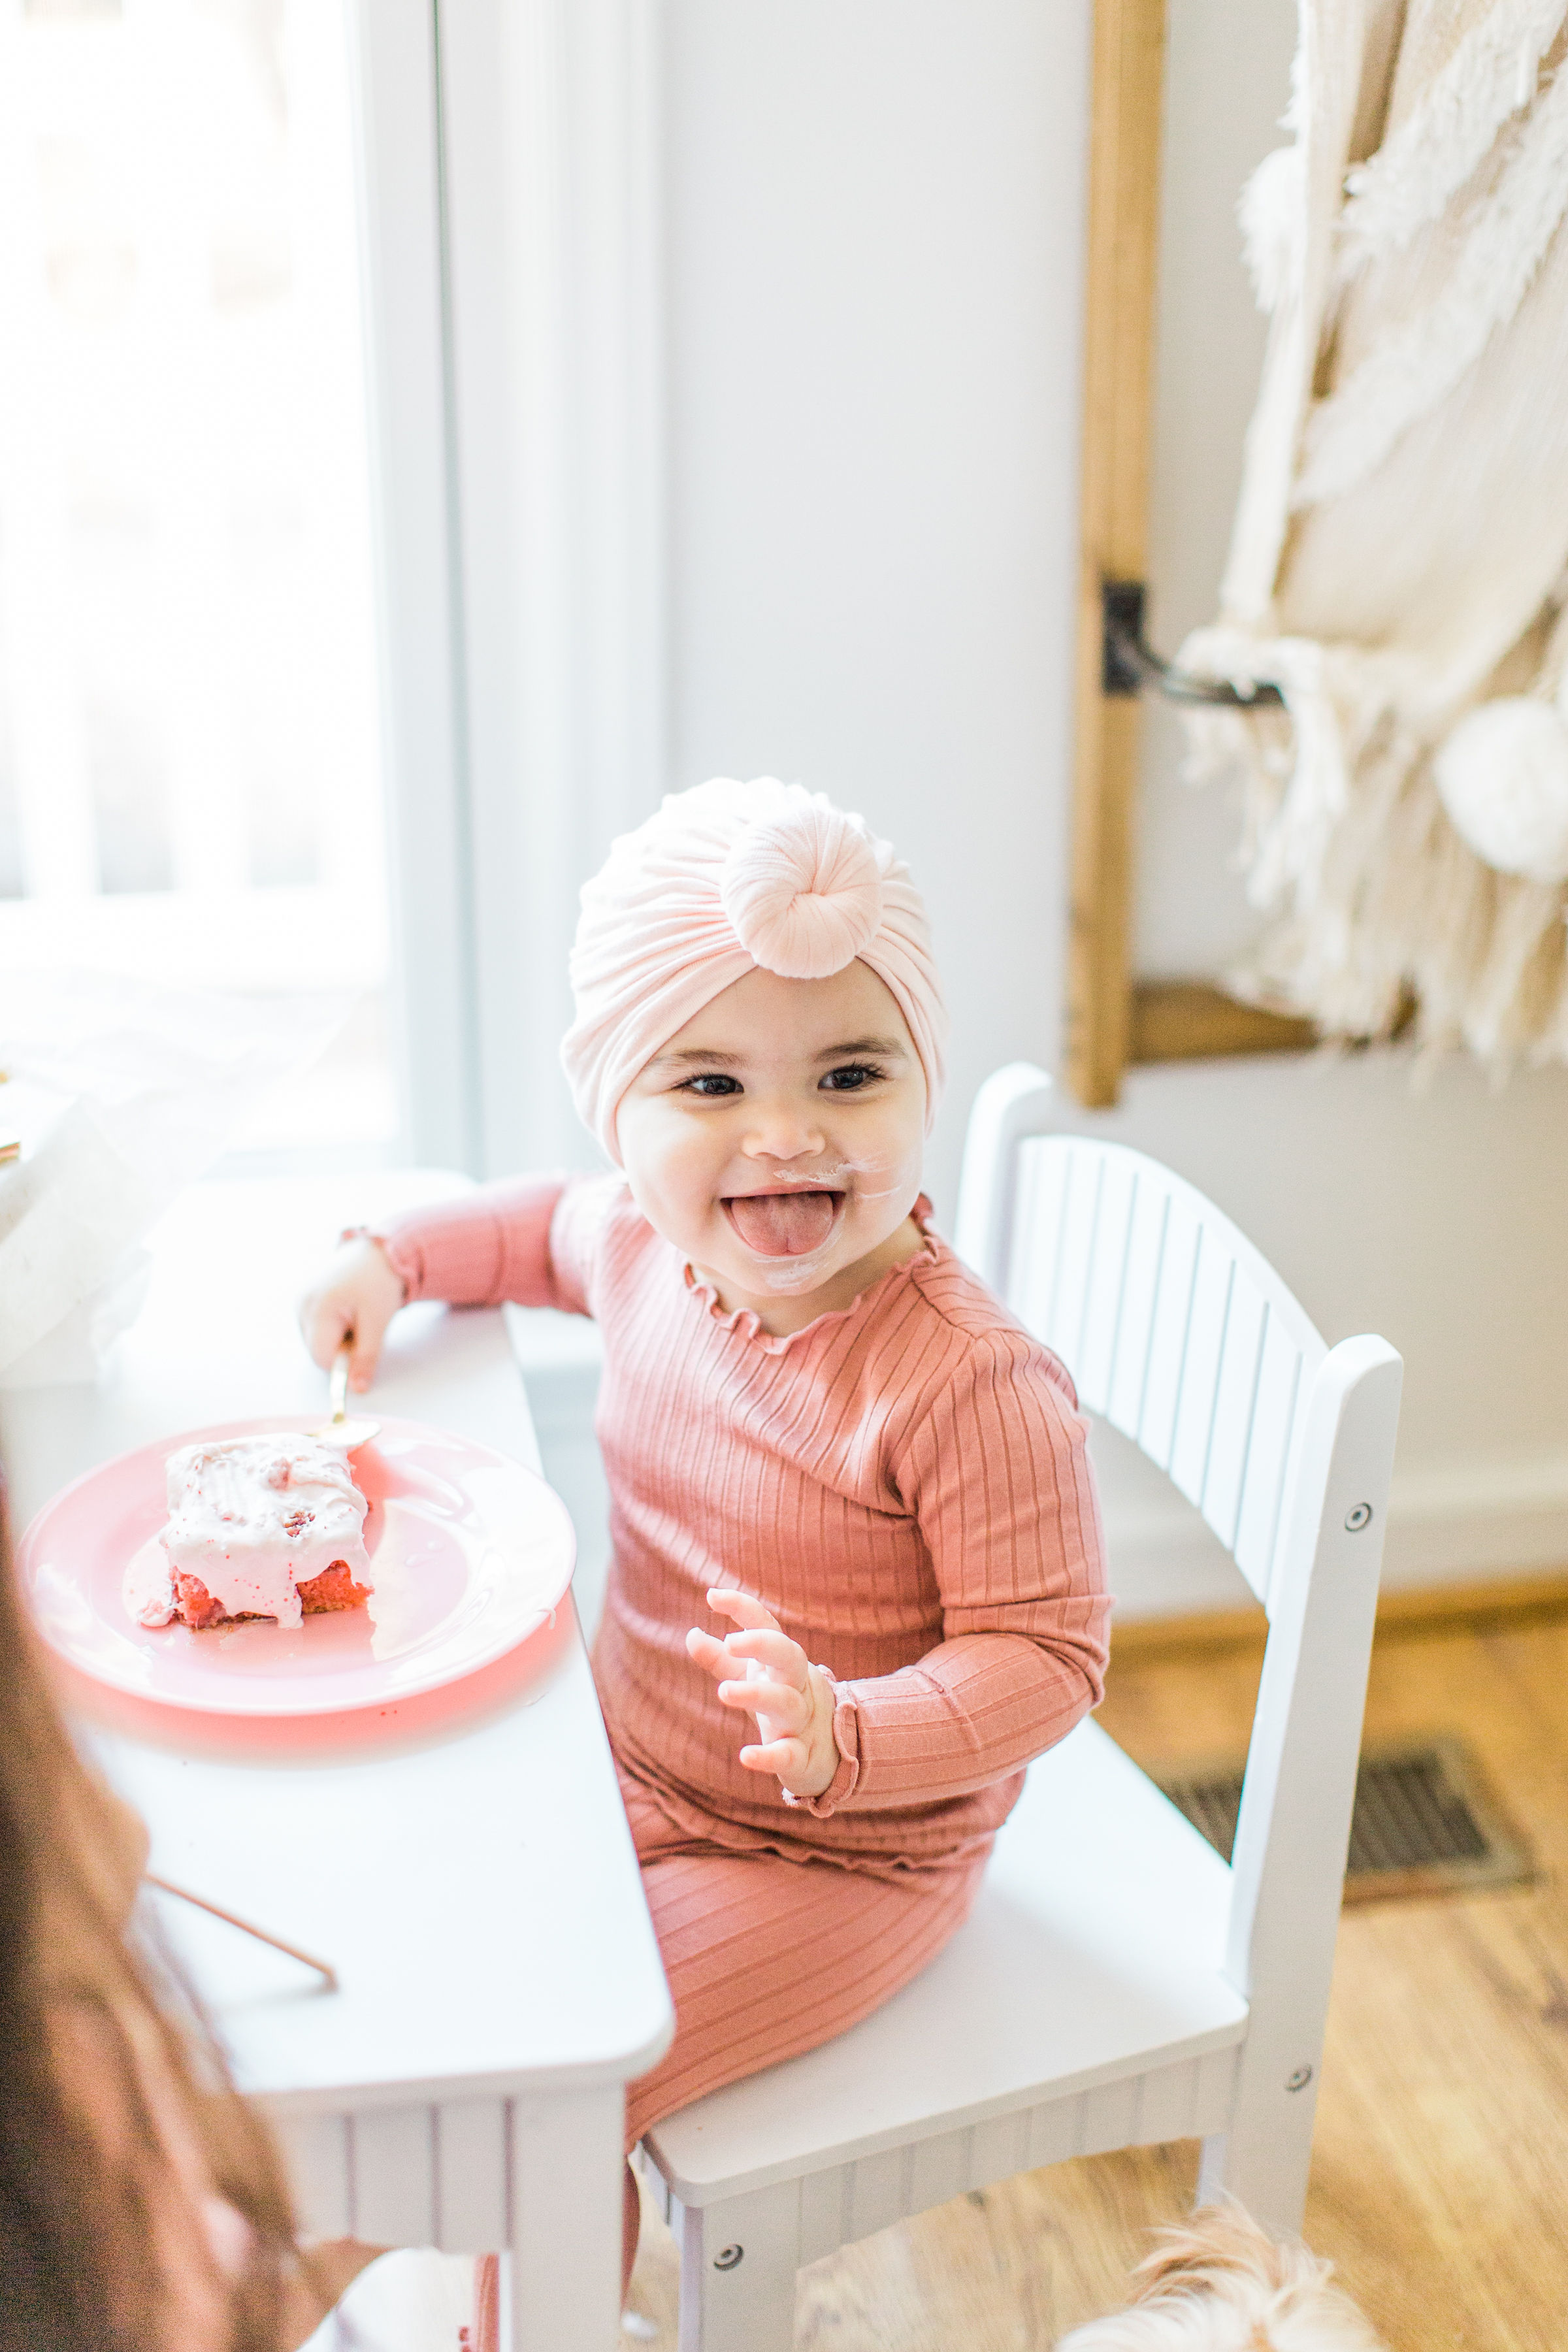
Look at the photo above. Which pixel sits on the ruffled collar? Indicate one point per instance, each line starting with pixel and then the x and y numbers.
pixel 746 1324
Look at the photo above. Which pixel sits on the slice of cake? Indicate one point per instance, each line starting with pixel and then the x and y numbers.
pixel 258 1526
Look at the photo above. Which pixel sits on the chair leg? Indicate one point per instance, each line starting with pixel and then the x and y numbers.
pixel 738 2265
pixel 1264 2158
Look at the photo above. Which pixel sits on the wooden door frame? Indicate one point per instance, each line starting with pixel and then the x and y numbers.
pixel 1114 1019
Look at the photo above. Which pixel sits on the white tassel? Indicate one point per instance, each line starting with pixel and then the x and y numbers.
pixel 1491 75
pixel 1529 69
pixel 1353 431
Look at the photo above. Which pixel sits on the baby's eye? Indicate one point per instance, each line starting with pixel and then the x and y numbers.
pixel 851 1077
pixel 711 1084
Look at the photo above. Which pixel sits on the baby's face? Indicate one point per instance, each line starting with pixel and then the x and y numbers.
pixel 776 1140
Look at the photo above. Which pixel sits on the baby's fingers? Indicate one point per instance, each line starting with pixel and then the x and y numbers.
pixel 776 1651
pixel 780 1757
pixel 780 1702
pixel 710 1654
pixel 324 1325
pixel 744 1608
pixel 333 1323
pixel 369 1332
pixel 355 1300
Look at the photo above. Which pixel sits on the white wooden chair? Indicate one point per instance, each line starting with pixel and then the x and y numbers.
pixel 1117 1983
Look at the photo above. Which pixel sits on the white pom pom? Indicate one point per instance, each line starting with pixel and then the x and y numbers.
pixel 1502 775
pixel 802 892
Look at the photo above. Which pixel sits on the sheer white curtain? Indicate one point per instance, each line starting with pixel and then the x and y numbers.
pixel 517 374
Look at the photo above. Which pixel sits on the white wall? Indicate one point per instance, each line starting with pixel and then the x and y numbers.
pixel 874 220
pixel 874 232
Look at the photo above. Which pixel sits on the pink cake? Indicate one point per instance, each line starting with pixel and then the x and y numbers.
pixel 258 1526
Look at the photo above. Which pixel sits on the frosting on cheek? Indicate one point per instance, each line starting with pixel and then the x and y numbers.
pixel 866 1183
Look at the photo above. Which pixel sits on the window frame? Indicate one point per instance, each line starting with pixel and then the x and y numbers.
pixel 396 61
pixel 510 168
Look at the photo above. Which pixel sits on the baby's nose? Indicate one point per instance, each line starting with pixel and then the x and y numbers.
pixel 784 1131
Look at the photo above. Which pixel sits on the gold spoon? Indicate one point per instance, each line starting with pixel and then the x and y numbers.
pixel 346 1429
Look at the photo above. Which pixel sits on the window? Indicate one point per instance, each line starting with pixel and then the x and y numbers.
pixel 190 784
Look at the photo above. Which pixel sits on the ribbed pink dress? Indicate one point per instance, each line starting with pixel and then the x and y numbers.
pixel 905 1485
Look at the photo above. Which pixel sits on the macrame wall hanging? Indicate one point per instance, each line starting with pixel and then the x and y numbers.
pixel 1399 561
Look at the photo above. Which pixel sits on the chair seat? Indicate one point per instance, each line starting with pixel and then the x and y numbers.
pixel 1094 1953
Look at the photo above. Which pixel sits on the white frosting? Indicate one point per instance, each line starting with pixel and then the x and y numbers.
pixel 147 1587
pixel 254 1517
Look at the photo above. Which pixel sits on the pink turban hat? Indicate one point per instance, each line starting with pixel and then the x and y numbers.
pixel 724 878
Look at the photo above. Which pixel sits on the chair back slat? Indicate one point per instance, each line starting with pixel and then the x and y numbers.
pixel 1269 1441
pixel 1197 1384
pixel 1075 1259
pixel 1107 1281
pixel 1172 1307
pixel 1135 1319
pixel 1235 1393
pixel 1174 1327
pixel 1035 1249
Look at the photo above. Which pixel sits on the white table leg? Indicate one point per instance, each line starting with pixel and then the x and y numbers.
pixel 566 2220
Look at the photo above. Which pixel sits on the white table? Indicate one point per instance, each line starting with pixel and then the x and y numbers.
pixel 476 1890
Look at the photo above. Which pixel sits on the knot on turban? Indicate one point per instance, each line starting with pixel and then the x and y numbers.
pixel 723 880
pixel 802 892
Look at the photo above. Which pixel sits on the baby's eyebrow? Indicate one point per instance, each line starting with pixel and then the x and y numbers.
pixel 691 1056
pixel 704 1057
pixel 883 1046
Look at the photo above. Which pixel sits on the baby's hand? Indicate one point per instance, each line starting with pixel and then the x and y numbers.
pixel 790 1699
pixel 355 1298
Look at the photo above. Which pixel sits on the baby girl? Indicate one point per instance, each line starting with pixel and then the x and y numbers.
pixel 856 1580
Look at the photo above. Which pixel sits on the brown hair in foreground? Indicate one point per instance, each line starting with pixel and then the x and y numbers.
pixel 127 2159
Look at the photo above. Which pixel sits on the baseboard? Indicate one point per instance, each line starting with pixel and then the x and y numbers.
pixel 1473 1519
pixel 1412 1611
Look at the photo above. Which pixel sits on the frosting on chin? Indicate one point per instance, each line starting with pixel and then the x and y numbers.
pixel 253 1519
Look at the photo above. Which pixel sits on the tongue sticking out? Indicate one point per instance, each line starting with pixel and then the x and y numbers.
pixel 782 1224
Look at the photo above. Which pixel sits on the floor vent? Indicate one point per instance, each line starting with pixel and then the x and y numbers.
pixel 1426 1822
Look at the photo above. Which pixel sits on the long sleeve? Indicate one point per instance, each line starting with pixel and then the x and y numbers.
pixel 486 1246
pixel 1005 1500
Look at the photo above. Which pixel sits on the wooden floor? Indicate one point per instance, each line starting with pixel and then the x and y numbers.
pixel 1440 2172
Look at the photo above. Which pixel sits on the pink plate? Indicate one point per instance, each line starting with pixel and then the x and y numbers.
pixel 472 1553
